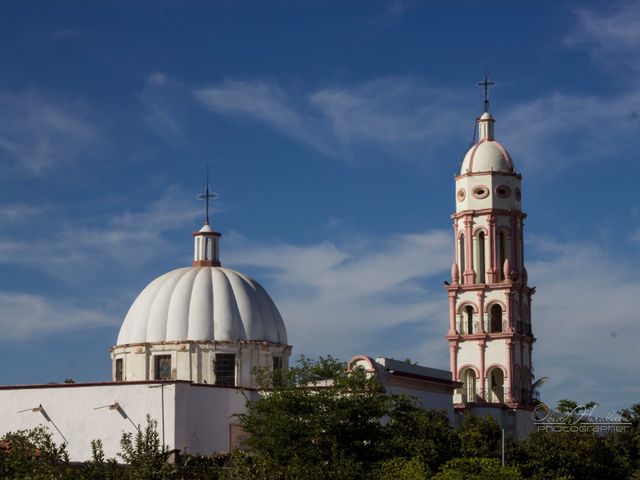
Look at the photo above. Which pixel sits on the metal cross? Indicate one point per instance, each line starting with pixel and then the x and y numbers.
pixel 206 196
pixel 485 84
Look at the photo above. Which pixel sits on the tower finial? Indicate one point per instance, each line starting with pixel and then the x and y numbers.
pixel 485 84
pixel 206 196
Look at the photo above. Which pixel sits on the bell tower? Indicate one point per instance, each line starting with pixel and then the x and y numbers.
pixel 490 337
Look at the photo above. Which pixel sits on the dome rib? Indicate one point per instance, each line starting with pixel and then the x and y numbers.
pixel 229 326
pixel 177 327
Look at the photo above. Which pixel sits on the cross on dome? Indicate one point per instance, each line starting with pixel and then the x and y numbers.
pixel 206 196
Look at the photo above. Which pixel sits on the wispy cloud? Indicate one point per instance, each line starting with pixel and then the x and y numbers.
pixel 162 103
pixel 559 130
pixel 402 116
pixel 610 34
pixel 268 103
pixel 16 213
pixel 408 119
pixel 24 315
pixel 37 132
pixel 128 240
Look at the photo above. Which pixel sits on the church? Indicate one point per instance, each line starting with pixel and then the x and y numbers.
pixel 189 344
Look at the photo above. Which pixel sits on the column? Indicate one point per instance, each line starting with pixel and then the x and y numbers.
pixel 453 352
pixel 452 314
pixel 480 296
pixel 492 249
pixel 482 346
pixel 468 244
pixel 509 383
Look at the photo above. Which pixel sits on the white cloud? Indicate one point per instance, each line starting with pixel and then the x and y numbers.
pixel 268 103
pixel 342 299
pixel 129 240
pixel 611 35
pixel 401 115
pixel 37 132
pixel 25 315
pixel 559 130
pixel 408 119
pixel 585 318
pixel 163 104
pixel 383 297
pixel 14 213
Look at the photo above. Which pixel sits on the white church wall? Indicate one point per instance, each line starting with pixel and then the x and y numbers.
pixel 495 353
pixel 468 354
pixel 197 418
pixel 205 415
pixel 72 412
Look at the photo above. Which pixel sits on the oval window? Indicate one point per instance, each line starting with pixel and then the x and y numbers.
pixel 518 194
pixel 481 191
pixel 461 194
pixel 503 191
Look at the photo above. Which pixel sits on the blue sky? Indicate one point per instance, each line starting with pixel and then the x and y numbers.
pixel 333 130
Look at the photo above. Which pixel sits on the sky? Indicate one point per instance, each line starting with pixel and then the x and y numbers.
pixel 333 131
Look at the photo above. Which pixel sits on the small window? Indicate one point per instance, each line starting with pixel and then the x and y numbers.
pixel 480 191
pixel 119 372
pixel 518 194
pixel 503 191
pixel 225 369
pixel 461 194
pixel 162 367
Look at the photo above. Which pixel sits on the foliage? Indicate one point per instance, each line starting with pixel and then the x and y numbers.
pixel 417 433
pixel 477 469
pixel 479 437
pixel 144 454
pixel 32 454
pixel 320 415
pixel 399 468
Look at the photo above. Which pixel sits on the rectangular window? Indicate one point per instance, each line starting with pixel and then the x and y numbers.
pixel 162 367
pixel 225 369
pixel 119 373
pixel 277 364
pixel 277 371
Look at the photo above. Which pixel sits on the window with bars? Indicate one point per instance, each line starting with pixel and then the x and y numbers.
pixel 162 367
pixel 119 370
pixel 225 369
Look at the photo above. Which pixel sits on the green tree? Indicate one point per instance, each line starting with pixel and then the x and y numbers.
pixel 32 454
pixel 144 455
pixel 419 434
pixel 319 415
pixel 479 437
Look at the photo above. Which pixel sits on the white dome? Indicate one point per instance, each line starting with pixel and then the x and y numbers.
pixel 203 303
pixel 485 156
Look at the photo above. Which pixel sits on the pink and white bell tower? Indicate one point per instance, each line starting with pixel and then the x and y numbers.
pixel 490 336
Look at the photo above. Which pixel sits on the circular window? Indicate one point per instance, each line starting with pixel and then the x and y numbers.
pixel 481 191
pixel 518 194
pixel 503 191
pixel 462 194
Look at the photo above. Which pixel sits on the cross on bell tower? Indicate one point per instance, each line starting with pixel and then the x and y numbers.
pixel 485 84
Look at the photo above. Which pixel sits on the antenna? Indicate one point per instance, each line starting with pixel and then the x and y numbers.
pixel 485 84
pixel 206 196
